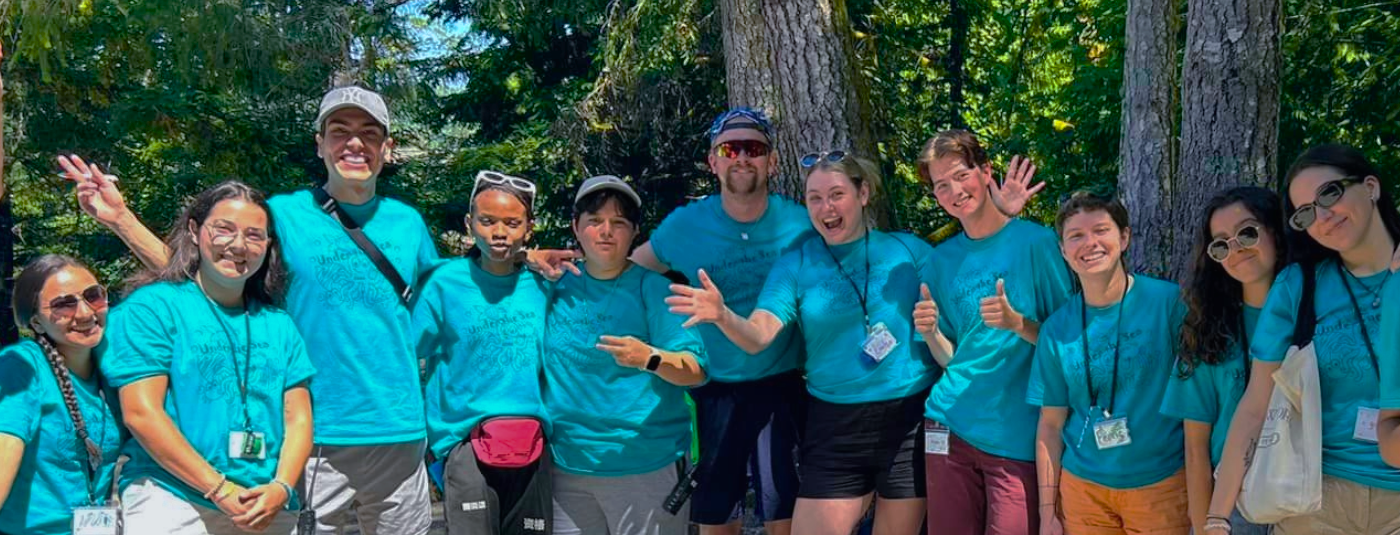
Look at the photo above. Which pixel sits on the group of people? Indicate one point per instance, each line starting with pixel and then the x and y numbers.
pixel 1014 379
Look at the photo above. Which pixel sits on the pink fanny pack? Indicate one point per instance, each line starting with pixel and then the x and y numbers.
pixel 508 441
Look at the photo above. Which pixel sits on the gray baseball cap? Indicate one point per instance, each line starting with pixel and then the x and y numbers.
pixel 602 182
pixel 353 97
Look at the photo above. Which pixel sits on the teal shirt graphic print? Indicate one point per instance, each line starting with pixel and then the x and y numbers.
pixel 1147 343
pixel 174 330
pixel 1212 392
pixel 368 389
pixel 737 257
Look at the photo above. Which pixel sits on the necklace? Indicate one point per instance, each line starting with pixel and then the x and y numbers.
pixel 1374 292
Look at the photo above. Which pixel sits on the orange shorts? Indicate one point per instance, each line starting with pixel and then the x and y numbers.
pixel 1093 509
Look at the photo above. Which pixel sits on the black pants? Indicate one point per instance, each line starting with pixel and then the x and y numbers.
pixel 485 500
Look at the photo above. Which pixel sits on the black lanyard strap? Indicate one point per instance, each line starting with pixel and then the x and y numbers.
pixel 92 448
pixel 863 297
pixel 1117 344
pixel 1360 321
pixel 241 374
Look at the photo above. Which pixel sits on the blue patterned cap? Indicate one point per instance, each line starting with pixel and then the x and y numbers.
pixel 755 120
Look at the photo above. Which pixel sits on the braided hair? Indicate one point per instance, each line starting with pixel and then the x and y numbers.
pixel 25 303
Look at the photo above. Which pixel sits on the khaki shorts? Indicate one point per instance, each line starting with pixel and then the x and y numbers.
pixel 1093 509
pixel 1348 508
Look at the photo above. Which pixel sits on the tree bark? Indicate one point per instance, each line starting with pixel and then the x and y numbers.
pixel 796 60
pixel 1230 106
pixel 959 22
pixel 1146 176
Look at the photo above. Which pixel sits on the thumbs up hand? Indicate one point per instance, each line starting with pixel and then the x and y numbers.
pixel 997 312
pixel 704 304
pixel 926 313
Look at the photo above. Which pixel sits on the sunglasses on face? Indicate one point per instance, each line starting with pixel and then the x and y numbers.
pixel 1246 237
pixel 67 305
pixel 811 160
pixel 493 178
pixel 1328 195
pixel 223 233
pixel 751 147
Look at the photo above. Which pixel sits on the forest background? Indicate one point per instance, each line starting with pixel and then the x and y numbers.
pixel 1163 101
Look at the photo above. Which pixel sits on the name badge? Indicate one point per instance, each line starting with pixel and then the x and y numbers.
pixel 246 445
pixel 96 521
pixel 878 343
pixel 1366 425
pixel 936 440
pixel 1112 433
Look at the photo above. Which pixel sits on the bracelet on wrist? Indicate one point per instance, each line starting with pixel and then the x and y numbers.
pixel 286 487
pixel 1217 523
pixel 222 480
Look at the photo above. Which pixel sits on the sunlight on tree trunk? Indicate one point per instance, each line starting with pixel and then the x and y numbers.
pixel 1147 151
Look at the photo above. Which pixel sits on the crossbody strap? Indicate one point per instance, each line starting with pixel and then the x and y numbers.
pixel 333 209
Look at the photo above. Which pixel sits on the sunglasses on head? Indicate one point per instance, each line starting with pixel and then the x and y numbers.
pixel 1245 237
pixel 497 179
pixel 67 305
pixel 1328 195
pixel 811 160
pixel 751 147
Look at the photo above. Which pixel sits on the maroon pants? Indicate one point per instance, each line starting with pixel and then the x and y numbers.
pixel 972 492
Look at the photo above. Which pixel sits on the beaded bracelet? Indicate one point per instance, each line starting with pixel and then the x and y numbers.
pixel 222 480
pixel 286 487
pixel 1216 522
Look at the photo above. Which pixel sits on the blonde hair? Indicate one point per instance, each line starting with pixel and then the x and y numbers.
pixel 859 171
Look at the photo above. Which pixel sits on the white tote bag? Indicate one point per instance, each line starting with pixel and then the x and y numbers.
pixel 1285 479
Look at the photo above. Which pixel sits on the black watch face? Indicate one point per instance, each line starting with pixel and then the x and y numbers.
pixel 654 362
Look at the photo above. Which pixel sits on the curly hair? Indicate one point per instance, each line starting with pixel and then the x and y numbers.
pixel 1214 300
pixel 267 286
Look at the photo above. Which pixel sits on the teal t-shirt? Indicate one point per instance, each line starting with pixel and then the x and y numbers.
pixel 1212 391
pixel 367 389
pixel 1148 343
pixel 609 420
pixel 482 336
pixel 808 288
pixel 53 473
pixel 1348 381
pixel 1388 348
pixel 737 256
pixel 174 330
pixel 981 396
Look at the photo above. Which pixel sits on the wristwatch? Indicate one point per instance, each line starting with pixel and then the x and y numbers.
pixel 654 361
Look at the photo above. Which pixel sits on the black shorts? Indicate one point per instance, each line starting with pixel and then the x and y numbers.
pixel 482 499
pixel 749 433
pixel 850 450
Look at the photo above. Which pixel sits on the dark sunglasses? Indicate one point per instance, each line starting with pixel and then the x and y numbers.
pixel 752 147
pixel 1245 237
pixel 832 156
pixel 67 305
pixel 1328 195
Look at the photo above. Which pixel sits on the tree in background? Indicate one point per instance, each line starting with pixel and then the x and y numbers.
pixel 1147 173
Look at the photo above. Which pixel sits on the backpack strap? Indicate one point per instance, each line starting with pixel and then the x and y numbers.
pixel 333 209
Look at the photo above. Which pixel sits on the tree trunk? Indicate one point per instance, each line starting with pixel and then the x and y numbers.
pixel 1229 106
pixel 959 22
pixel 796 60
pixel 1147 146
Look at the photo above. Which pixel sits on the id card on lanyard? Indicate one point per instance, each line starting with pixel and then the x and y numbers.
pixel 1109 432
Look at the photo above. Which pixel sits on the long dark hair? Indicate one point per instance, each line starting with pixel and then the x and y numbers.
pixel 24 303
pixel 1349 161
pixel 267 286
pixel 1214 299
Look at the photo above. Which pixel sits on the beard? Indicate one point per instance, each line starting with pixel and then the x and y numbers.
pixel 742 186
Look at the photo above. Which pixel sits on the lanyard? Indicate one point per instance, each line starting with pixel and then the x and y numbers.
pixel 1360 321
pixel 1244 348
pixel 240 375
pixel 94 449
pixel 862 296
pixel 1117 343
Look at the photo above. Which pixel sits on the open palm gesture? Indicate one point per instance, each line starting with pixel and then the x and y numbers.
pixel 1015 189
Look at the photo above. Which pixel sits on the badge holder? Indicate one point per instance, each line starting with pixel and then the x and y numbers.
pixel 936 439
pixel 247 444
pixel 879 343
pixel 1365 430
pixel 101 519
pixel 1112 432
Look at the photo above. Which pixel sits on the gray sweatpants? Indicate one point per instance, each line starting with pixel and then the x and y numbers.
pixel 627 505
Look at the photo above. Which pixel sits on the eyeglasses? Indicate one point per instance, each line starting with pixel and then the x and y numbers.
pixel 493 178
pixel 223 233
pixel 752 147
pixel 811 160
pixel 67 305
pixel 1245 237
pixel 1328 195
